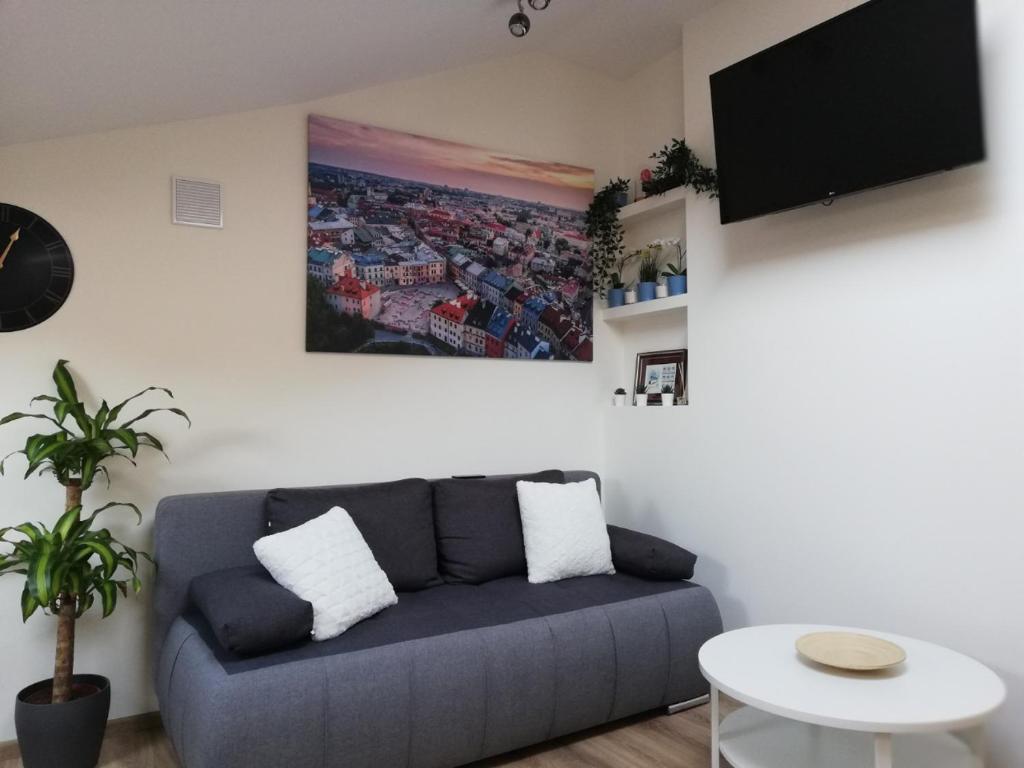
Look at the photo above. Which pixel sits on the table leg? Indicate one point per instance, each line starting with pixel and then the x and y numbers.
pixel 715 754
pixel 883 750
pixel 975 739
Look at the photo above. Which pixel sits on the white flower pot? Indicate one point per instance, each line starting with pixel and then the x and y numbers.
pixel 631 296
pixel 641 401
pixel 661 292
pixel 668 400
pixel 619 400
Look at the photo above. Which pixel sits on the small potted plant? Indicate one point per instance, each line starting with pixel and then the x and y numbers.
pixel 617 291
pixel 61 721
pixel 675 272
pixel 648 283
pixel 619 398
pixel 630 294
pixel 640 399
pixel 656 249
pixel 675 281
pixel 668 395
pixel 646 177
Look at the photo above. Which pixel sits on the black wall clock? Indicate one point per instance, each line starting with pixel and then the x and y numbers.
pixel 36 269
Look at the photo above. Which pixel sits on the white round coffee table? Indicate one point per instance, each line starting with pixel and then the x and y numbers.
pixel 803 715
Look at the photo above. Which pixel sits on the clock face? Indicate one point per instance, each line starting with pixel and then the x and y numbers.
pixel 36 270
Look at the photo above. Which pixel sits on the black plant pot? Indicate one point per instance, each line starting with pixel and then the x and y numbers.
pixel 65 735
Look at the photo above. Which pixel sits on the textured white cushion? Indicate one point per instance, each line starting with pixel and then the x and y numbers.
pixel 328 563
pixel 564 530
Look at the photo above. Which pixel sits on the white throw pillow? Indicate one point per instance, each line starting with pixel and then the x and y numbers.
pixel 328 563
pixel 564 530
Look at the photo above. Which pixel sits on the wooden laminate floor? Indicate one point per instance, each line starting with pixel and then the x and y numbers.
pixel 646 741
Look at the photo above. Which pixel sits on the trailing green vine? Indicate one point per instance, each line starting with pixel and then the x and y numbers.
pixel 604 230
pixel 678 166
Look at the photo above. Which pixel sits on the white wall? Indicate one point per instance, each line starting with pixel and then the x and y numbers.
pixel 652 113
pixel 218 316
pixel 853 454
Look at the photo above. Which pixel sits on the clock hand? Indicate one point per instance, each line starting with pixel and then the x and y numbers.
pixel 10 243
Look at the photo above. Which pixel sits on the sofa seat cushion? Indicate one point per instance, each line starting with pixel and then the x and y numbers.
pixel 479 531
pixel 396 520
pixel 446 699
pixel 454 608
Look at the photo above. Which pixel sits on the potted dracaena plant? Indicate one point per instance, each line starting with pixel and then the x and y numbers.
pixel 60 721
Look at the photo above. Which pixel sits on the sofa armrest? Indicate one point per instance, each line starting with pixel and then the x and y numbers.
pixel 648 557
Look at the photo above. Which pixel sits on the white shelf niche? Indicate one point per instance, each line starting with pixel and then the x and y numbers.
pixel 673 199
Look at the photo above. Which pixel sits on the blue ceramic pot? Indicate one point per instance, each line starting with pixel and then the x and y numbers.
pixel 646 291
pixel 676 285
pixel 616 297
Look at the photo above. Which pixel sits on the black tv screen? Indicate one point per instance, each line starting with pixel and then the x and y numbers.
pixel 886 92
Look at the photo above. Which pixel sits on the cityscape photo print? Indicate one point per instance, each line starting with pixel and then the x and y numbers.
pixel 419 246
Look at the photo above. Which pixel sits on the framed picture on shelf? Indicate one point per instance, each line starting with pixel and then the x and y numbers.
pixel 656 370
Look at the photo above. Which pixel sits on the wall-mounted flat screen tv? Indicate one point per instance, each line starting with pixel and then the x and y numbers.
pixel 887 92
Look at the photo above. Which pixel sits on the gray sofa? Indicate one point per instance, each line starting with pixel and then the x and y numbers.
pixel 452 674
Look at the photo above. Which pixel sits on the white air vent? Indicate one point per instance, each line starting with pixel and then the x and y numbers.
pixel 196 202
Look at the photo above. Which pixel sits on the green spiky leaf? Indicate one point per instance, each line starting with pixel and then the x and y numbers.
pixel 129 439
pixel 29 605
pixel 108 595
pixel 151 411
pixel 66 389
pixel 111 505
pixel 115 412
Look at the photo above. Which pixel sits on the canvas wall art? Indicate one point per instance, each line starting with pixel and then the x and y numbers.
pixel 418 246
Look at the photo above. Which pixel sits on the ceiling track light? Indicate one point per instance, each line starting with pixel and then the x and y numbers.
pixel 519 23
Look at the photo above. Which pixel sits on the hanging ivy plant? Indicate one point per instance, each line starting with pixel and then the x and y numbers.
pixel 604 230
pixel 678 166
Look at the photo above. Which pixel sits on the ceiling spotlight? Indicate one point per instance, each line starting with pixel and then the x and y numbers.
pixel 539 5
pixel 519 24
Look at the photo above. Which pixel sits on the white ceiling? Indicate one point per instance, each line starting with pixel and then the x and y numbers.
pixel 76 66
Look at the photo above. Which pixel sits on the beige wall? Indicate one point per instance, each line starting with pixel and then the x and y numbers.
pixel 218 316
pixel 853 452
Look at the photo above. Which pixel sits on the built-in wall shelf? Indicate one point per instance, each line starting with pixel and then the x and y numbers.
pixel 645 308
pixel 673 199
pixel 666 413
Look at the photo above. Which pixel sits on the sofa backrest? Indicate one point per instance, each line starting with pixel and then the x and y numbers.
pixel 202 532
